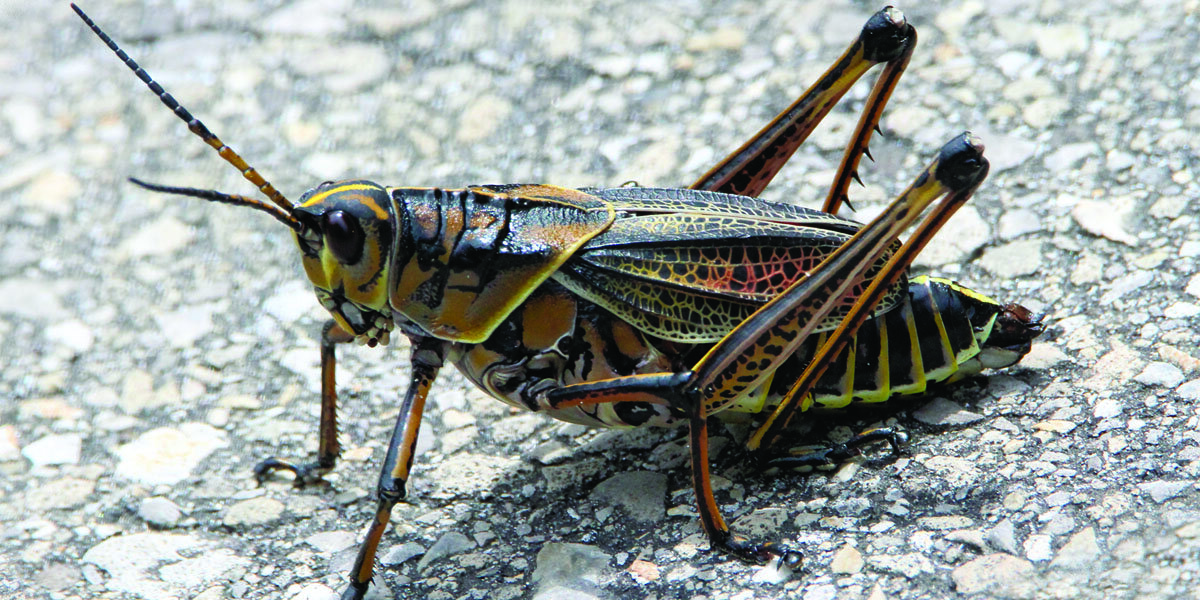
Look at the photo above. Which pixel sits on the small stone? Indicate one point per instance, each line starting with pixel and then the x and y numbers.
pixel 159 238
pixel 560 563
pixel 1043 356
pixel 643 571
pixel 448 545
pixel 36 299
pixel 944 523
pixel 402 553
pixel 1055 425
pixel 59 449
pixel 1126 284
pixel 1181 310
pixel 481 118
pixel 159 512
pixel 725 38
pixel 72 334
pixel 971 233
pixel 128 559
pixel 312 591
pixel 1104 219
pixel 774 572
pixel 1014 259
pixel 57 576
pixel 944 412
pixel 1068 156
pixel 1107 408
pixel 329 542
pixel 470 475
pixel 208 568
pixel 847 561
pixel 1192 288
pixel 640 494
pixel 1019 222
pixel 1160 374
pixel 1161 491
pixel 1189 390
pixel 763 522
pixel 67 492
pixel 1037 547
pixel 168 455
pixel 184 327
pixel 1081 551
pixel 253 511
pixel 997 575
pixel 10 448
pixel 1003 536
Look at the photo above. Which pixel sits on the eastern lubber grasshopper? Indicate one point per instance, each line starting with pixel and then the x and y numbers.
pixel 646 306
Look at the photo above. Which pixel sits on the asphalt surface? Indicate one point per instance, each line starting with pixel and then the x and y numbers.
pixel 155 348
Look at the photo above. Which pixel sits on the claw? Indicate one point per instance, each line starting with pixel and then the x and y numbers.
pixel 306 474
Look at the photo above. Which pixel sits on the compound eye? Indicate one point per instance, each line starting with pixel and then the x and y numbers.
pixel 344 236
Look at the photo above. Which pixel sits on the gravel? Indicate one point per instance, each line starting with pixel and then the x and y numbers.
pixel 157 348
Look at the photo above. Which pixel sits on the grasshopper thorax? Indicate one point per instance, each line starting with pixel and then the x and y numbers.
pixel 345 237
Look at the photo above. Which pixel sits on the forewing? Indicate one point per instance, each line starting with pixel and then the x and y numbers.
pixel 689 266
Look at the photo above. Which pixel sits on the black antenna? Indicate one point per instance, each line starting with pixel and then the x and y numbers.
pixel 282 208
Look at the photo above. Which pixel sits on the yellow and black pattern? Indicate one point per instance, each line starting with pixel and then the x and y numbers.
pixel 935 335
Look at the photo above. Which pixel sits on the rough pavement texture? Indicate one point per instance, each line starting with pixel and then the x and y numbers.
pixel 155 348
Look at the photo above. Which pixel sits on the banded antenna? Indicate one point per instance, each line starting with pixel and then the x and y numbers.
pixel 281 208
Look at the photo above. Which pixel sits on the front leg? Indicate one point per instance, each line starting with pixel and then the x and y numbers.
pixel 328 447
pixel 427 357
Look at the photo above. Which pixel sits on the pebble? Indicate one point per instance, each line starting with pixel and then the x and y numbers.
pixel 330 542
pixel 640 494
pixel 945 413
pixel 1189 390
pixel 402 553
pixel 159 512
pixel 481 118
pixel 945 523
pixel 1161 491
pixel 253 511
pixel 1019 222
pixel 1126 284
pixel 10 448
pixel 1014 259
pixel 1181 310
pixel 161 237
pixel 58 449
pixel 65 492
pixel 1081 551
pixel 847 561
pixel 1160 374
pixel 73 335
pixel 1037 547
pixel 1003 536
pixel 167 455
pixel 32 299
pixel 971 233
pixel 1068 156
pixel 449 544
pixel 469 475
pixel 1192 288
pixel 563 563
pixel 1105 219
pixel 128 559
pixel 182 328
pixel 996 575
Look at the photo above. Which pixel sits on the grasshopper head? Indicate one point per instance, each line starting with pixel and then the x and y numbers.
pixel 345 236
pixel 344 229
